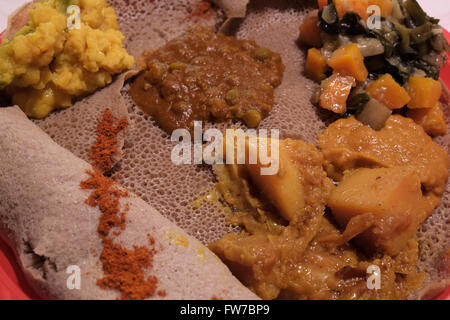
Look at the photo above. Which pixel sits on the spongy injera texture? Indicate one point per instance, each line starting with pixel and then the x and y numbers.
pixel 146 168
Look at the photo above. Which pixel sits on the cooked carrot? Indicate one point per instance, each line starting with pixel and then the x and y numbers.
pixel 316 65
pixel 424 92
pixel 431 119
pixel 387 91
pixel 310 31
pixel 384 5
pixel 349 61
pixel 357 6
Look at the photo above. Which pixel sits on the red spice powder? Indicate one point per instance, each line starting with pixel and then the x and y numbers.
pixel 124 269
pixel 105 146
pixel 106 196
pixel 162 293
pixel 151 240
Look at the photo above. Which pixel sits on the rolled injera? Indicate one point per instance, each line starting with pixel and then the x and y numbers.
pixel 44 214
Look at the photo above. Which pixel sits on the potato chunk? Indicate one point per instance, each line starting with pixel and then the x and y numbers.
pixel 287 173
pixel 284 189
pixel 391 201
pixel 334 92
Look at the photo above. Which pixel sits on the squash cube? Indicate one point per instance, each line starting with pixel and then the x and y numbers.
pixel 349 61
pixel 310 31
pixel 431 119
pixel 361 6
pixel 322 3
pixel 316 65
pixel 357 6
pixel 393 200
pixel 424 92
pixel 387 91
pixel 384 5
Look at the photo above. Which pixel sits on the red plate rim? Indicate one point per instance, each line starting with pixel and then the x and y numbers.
pixel 13 285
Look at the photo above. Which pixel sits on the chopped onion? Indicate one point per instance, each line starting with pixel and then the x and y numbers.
pixel 435 59
pixel 437 31
pixel 329 14
pixel 369 46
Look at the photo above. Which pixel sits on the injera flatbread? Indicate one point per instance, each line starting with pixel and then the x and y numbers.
pixel 146 168
pixel 47 221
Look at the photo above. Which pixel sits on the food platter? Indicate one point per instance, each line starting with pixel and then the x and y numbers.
pixel 13 284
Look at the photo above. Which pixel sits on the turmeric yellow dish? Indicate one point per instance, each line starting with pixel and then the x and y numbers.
pixel 292 247
pixel 47 65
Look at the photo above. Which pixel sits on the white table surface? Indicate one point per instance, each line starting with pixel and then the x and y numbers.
pixel 435 8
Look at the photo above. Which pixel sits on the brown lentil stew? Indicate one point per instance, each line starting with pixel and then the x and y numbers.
pixel 206 76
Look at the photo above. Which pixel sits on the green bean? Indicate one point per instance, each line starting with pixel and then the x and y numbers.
pixel 262 54
pixel 416 12
pixel 252 118
pixel 232 97
pixel 422 33
pixel 405 35
pixel 177 66
pixel 437 42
